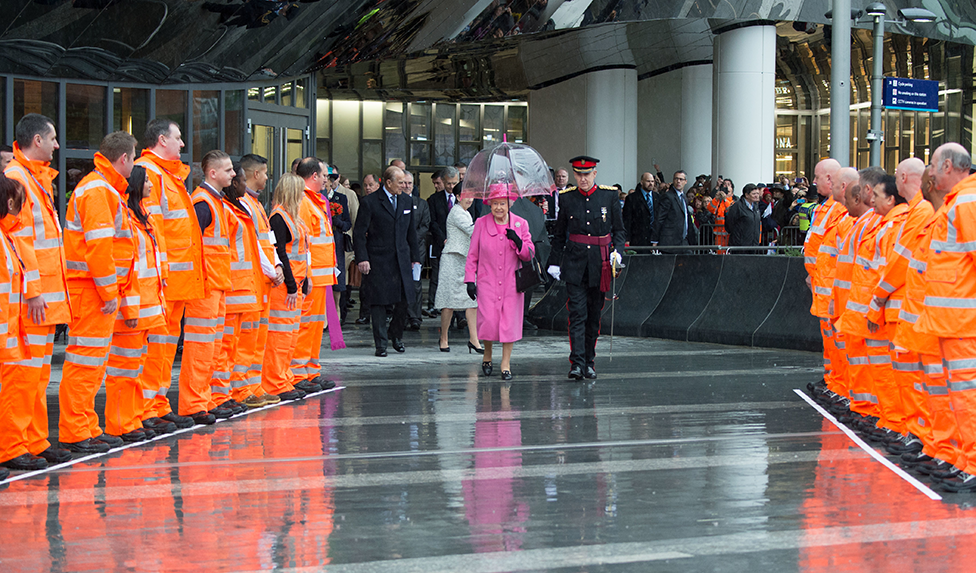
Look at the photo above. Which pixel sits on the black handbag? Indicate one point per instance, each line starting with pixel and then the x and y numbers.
pixel 529 275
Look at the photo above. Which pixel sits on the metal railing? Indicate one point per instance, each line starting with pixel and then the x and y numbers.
pixel 785 241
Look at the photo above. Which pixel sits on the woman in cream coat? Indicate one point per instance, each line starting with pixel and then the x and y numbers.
pixel 451 291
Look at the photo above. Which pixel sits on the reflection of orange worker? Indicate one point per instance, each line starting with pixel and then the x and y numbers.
pixel 291 244
pixel 127 357
pixel 950 297
pixel 24 427
pixel 98 245
pixel 305 365
pixel 181 254
pixel 204 322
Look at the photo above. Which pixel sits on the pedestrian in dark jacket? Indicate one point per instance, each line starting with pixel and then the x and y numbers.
pixel 744 219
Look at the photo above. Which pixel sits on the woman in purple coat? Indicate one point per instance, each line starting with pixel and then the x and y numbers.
pixel 499 243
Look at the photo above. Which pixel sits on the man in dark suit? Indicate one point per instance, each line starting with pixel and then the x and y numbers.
pixel 386 247
pixel 439 204
pixel 421 223
pixel 639 212
pixel 532 213
pixel 675 225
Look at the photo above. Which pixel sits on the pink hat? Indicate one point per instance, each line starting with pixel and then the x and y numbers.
pixel 501 191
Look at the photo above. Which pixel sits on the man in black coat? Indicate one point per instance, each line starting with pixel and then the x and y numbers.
pixel 421 223
pixel 525 208
pixel 744 220
pixel 675 225
pixel 439 204
pixel 588 234
pixel 386 248
pixel 638 212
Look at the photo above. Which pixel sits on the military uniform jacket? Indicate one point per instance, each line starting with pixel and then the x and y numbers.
pixel 597 214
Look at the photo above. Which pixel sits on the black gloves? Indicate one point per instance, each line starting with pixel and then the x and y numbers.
pixel 513 236
pixel 472 291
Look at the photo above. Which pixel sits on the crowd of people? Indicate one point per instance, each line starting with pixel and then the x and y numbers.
pixel 890 267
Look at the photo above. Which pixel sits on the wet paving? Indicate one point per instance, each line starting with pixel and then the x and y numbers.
pixel 681 457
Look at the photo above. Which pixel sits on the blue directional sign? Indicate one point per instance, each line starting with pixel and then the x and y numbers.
pixel 912 95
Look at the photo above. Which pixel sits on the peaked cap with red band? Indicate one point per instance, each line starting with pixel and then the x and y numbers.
pixel 583 164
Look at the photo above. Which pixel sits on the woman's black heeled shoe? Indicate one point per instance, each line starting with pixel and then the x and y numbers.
pixel 445 348
pixel 486 368
pixel 475 348
pixel 506 374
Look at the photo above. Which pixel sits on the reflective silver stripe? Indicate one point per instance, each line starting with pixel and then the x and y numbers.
pixel 825 291
pixel 864 397
pixel 313 318
pixel 907 366
pixel 842 284
pixel 151 311
pixel 91 341
pixel 323 272
pixel 264 321
pixel 962 386
pixel 318 240
pixel 74 226
pixel 130 300
pixel 296 257
pixel 32 363
pixel 247 299
pixel 264 236
pixel 104 233
pixel 937 390
pixel 76 266
pixel 919 387
pixel 893 303
pixel 875 343
pixel 199 338
pixel 34 275
pixel 932 369
pixel 155 210
pixel 105 281
pixel 253 380
pixel 950 302
pixel 220 375
pixel 880 359
pixel 810 260
pixel 54 296
pixel 125 352
pixel 275 327
pixel 953 247
pixel 162 392
pixel 162 339
pixel 887 287
pixel 905 316
pixel 857 360
pixel 40 245
pixel 861 261
pixel 148 394
pixel 827 249
pixel 846 258
pixel 176 214
pixel 163 257
pixel 219 389
pixel 244 266
pixel 919 266
pixel 285 313
pixel 202 322
pixel 963 364
pixel 121 271
pixel 239 383
pixel 123 372
pixel 240 369
pixel 188 266
pixel 216 241
pixel 841 345
pixel 83 360
pixel 3 330
pixel 857 307
pixel 36 339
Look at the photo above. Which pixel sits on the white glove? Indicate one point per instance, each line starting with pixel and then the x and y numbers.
pixel 616 260
pixel 553 271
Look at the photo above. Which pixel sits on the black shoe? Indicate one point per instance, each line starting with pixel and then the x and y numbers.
pixel 381 352
pixel 234 406
pixel 181 422
pixel 4 473
pixel 947 472
pixel 934 465
pixel 912 460
pixel 221 413
pixel 486 368
pixel 425 313
pixel 962 483
pixel 202 418
pixel 56 455
pixel 575 373
pixel 446 348
pixel 325 384
pixel 112 441
pixel 414 326
pixel 362 320
pixel 506 374
pixel 308 387
pixel 160 426
pixel 89 446
pixel 291 395
pixel 138 435
pixel 27 462
pixel 526 325
pixel 462 323
pixel 475 348
pixel 910 444
pixel 397 345
pixel 590 373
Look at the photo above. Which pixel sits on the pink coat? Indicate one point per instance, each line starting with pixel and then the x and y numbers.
pixel 491 264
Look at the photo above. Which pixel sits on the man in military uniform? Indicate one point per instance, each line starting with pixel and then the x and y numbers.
pixel 588 239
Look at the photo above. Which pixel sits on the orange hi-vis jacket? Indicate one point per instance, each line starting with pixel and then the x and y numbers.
pixel 950 290
pixel 39 239
pixel 825 219
pixel 916 247
pixel 12 335
pixel 216 238
pixel 244 257
pixel 891 283
pixel 718 209
pixel 314 212
pixel 98 237
pixel 262 226
pixel 846 255
pixel 298 247
pixel 176 227
pixel 147 284
pixel 868 264
pixel 827 257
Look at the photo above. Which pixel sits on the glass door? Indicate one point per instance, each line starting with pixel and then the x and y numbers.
pixel 280 138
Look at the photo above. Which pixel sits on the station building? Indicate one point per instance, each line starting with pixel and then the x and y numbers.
pixel 739 88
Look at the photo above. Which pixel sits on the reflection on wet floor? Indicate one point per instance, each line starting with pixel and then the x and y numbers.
pixel 680 457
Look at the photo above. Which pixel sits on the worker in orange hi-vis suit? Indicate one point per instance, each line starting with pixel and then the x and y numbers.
pixel 291 244
pixel 902 221
pixel 717 207
pixel 941 443
pixel 24 430
pixel 100 253
pixel 126 401
pixel 241 299
pixel 859 199
pixel 181 254
pixel 204 318
pixel 824 220
pixel 949 310
pixel 314 212
pixel 891 210
pixel 268 274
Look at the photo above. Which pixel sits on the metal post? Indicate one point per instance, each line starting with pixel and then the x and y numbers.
pixel 840 76
pixel 875 133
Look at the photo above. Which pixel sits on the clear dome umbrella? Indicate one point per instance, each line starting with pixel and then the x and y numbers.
pixel 514 166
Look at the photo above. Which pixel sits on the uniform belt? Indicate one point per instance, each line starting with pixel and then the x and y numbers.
pixel 590 240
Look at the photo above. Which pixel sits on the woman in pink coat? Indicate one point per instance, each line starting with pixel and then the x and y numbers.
pixel 499 243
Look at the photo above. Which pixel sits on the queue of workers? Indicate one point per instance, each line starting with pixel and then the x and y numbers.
pixel 892 267
pixel 137 255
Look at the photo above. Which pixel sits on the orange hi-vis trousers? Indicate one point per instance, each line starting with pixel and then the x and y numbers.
pixel 251 350
pixel 907 370
pixel 203 332
pixel 959 355
pixel 283 325
pixel 835 359
pixel 863 399
pixel 220 380
pixel 23 401
pixel 124 404
pixel 305 365
pixel 945 431
pixel 883 385
pixel 85 361
pixel 158 373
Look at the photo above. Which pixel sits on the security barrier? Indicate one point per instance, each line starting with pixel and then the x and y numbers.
pixel 745 300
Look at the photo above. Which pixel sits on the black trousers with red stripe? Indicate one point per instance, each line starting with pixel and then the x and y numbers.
pixel 585 305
